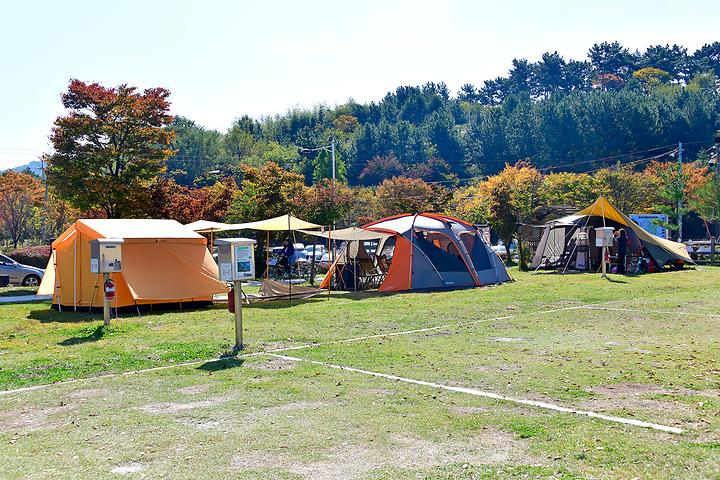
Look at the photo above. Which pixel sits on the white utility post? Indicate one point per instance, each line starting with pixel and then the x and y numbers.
pixel 236 262
pixel 332 154
pixel 682 189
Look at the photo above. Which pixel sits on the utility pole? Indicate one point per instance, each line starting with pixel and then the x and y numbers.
pixel 45 206
pixel 682 190
pixel 332 153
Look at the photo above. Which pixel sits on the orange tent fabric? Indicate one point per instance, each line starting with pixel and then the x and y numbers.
pixel 163 262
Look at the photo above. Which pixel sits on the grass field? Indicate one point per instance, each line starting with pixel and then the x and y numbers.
pixel 640 348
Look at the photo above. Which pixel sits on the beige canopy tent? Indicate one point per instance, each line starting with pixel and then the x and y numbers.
pixel 206 226
pixel 354 257
pixel 272 290
pixel 278 224
pixel 348 234
pixel 559 242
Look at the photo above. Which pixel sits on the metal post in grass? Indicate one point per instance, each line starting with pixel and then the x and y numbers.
pixel 106 300
pixel 236 262
pixel 237 289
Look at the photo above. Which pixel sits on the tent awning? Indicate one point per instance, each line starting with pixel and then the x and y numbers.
pixel 281 223
pixel 206 226
pixel 348 234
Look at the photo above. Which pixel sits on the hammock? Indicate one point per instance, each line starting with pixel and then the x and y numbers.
pixel 274 290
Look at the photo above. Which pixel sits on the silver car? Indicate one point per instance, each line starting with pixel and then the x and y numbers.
pixel 20 274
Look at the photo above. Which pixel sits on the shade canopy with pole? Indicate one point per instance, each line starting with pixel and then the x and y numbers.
pixel 206 226
pixel 285 222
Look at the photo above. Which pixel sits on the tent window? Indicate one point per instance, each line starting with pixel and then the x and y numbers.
pixel 478 253
pixel 441 259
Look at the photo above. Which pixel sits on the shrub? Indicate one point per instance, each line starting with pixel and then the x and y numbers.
pixel 36 256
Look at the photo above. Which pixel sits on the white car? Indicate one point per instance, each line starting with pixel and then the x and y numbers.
pixel 320 250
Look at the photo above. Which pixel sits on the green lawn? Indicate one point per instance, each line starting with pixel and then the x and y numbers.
pixel 649 352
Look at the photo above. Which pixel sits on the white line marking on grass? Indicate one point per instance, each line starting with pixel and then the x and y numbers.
pixel 297 347
pixel 638 310
pixel 494 396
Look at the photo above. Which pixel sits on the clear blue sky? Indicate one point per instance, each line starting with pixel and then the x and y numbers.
pixel 223 59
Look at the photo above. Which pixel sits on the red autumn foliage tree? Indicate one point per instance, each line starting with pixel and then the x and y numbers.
pixel 404 195
pixel 381 168
pixel 189 204
pixel 110 147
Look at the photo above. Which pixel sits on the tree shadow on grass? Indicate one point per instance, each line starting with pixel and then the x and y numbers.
pixel 223 363
pixel 94 336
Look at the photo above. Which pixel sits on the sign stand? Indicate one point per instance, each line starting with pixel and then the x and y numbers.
pixel 236 262
pixel 604 262
pixel 106 301
pixel 237 290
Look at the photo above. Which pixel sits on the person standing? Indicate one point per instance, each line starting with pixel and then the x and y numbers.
pixel 622 246
pixel 286 255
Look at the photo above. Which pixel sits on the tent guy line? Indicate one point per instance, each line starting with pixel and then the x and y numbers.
pixel 491 395
pixel 289 349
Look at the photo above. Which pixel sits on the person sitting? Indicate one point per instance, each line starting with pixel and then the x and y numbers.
pixel 286 255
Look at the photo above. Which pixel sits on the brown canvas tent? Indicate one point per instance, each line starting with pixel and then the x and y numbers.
pixel 558 243
pixel 163 262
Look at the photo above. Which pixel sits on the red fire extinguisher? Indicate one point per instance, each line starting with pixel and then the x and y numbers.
pixel 109 289
pixel 231 300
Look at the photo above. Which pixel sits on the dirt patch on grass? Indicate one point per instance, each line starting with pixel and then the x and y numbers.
pixel 194 389
pixel 89 393
pixel 460 410
pixel 509 339
pixel 501 368
pixel 127 469
pixel 355 461
pixel 634 396
pixel 176 407
pixel 274 365
pixel 28 419
pixel 625 389
pixel 287 408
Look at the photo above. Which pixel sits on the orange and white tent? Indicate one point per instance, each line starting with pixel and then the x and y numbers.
pixel 162 262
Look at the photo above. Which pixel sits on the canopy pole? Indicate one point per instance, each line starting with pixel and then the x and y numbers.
pixel 57 285
pixel 267 254
pixel 330 262
pixel 75 273
pixel 290 264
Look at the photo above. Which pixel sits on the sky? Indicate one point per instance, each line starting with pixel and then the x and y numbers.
pixel 224 59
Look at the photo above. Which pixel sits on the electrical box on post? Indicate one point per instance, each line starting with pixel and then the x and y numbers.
pixel 236 258
pixel 106 255
pixel 604 236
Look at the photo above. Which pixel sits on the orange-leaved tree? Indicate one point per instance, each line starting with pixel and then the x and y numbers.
pixel 512 197
pixel 404 195
pixel 110 147
pixel 20 195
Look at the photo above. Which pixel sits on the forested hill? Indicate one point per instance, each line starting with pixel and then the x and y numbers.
pixel 614 106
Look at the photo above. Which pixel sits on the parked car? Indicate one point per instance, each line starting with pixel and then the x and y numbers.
pixel 500 250
pixel 300 255
pixel 319 252
pixel 20 274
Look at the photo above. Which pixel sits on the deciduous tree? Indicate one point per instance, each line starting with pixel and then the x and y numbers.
pixel 110 147
pixel 20 195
